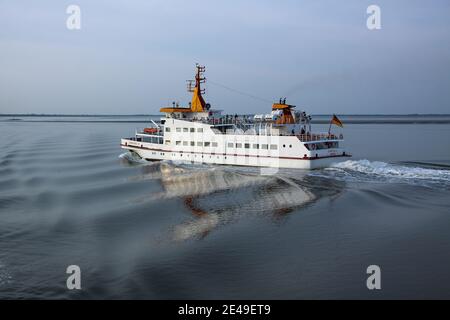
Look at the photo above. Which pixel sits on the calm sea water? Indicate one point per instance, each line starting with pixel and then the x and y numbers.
pixel 70 196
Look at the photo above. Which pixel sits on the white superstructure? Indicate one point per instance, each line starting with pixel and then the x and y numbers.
pixel 281 139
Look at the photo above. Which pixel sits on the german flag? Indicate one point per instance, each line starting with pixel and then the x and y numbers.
pixel 335 120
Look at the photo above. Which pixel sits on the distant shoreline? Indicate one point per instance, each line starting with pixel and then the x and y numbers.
pixel 157 115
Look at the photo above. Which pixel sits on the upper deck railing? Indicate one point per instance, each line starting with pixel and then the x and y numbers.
pixel 319 137
pixel 242 124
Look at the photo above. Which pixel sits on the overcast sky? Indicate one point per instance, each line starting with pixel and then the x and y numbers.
pixel 134 56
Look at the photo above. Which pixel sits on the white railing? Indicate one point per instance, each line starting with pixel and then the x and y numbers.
pixel 319 137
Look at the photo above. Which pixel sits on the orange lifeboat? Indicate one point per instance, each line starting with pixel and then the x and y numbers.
pixel 151 130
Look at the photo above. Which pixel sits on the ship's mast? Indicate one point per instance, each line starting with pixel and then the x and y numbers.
pixel 198 103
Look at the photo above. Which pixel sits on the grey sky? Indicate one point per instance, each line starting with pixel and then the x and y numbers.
pixel 134 56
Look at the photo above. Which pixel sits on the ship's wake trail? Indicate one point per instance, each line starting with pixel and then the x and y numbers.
pixel 378 171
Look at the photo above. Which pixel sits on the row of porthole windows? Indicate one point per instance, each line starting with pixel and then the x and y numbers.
pixel 192 143
pixel 185 129
pixel 229 145
pixel 195 156
pixel 254 146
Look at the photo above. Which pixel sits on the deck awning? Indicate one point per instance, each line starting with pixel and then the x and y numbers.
pixel 170 110
pixel 278 106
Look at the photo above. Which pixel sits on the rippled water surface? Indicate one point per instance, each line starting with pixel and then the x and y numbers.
pixel 70 196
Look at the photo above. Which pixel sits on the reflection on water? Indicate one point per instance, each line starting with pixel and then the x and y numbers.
pixel 218 195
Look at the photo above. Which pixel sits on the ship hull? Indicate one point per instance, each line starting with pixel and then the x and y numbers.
pixel 155 154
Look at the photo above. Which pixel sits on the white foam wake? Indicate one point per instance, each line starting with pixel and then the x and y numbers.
pixel 394 171
pixel 131 157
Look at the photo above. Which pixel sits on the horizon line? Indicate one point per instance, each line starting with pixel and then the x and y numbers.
pixel 149 114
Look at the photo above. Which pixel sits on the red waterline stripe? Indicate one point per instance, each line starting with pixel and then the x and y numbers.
pixel 236 155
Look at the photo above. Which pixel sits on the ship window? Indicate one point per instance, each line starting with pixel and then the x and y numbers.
pixel 247 145
pixel 177 143
pixel 284 146
pixel 230 144
pixel 273 147
pixel 192 129
pixel 256 146
pixel 290 146
pixel 200 130
pixel 178 129
pixel 265 146
pixel 238 145
pixel 214 144
pixel 207 144
pixel 185 130
pixel 332 145
pixel 167 141
pixel 192 143
pixel 199 143
pixel 167 129
pixel 185 143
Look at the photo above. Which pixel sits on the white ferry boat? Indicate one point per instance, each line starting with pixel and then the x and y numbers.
pixel 199 134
